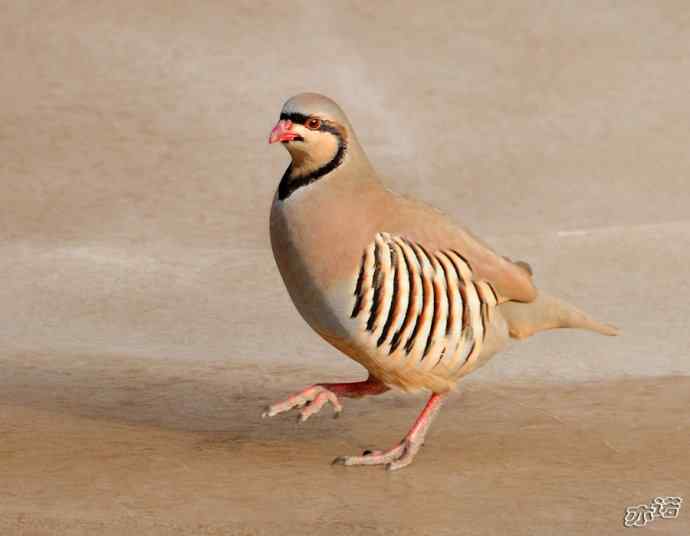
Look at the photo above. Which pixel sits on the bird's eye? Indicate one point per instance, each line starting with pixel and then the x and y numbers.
pixel 313 123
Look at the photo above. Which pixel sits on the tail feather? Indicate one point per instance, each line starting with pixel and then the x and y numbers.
pixel 548 312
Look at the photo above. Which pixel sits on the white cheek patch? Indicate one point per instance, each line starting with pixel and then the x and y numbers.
pixel 316 151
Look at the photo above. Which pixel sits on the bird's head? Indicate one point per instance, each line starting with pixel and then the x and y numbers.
pixel 316 133
pixel 311 126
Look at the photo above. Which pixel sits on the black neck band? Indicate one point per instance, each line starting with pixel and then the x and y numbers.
pixel 288 184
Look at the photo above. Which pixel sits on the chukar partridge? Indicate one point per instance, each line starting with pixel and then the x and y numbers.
pixel 390 282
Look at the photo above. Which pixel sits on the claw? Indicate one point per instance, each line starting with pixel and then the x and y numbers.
pixel 404 460
pixel 376 457
pixel 308 402
pixel 404 452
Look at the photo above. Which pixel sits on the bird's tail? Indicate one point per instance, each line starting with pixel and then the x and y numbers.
pixel 548 312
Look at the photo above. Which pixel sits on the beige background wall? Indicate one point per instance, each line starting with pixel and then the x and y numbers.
pixel 136 178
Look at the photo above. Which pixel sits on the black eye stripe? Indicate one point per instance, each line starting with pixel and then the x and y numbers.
pixel 301 119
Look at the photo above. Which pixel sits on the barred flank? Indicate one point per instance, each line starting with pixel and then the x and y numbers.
pixel 426 304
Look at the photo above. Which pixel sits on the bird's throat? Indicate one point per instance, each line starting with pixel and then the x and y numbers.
pixel 301 172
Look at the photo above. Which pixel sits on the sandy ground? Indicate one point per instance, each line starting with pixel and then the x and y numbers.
pixel 118 445
pixel 143 324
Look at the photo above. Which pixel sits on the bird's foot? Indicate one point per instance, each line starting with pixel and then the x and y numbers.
pixel 309 402
pixel 402 454
pixel 395 458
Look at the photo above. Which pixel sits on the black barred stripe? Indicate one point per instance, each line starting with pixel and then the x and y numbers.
pixel 467 335
pixel 376 283
pixel 359 295
pixel 463 292
pixel 450 316
pixel 491 288
pixel 425 252
pixel 409 316
pixel 425 301
pixel 394 309
pixel 469 354
pixel 440 357
pixel 435 317
pixel 482 308
pixel 463 259
pixel 465 307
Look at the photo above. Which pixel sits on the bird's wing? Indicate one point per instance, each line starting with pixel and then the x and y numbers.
pixel 425 225
pixel 511 280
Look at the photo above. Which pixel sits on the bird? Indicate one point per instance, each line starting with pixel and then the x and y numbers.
pixel 393 283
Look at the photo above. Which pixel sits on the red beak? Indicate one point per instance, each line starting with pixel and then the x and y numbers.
pixel 282 132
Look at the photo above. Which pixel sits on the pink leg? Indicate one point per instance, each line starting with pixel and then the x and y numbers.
pixel 370 386
pixel 403 453
pixel 315 397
